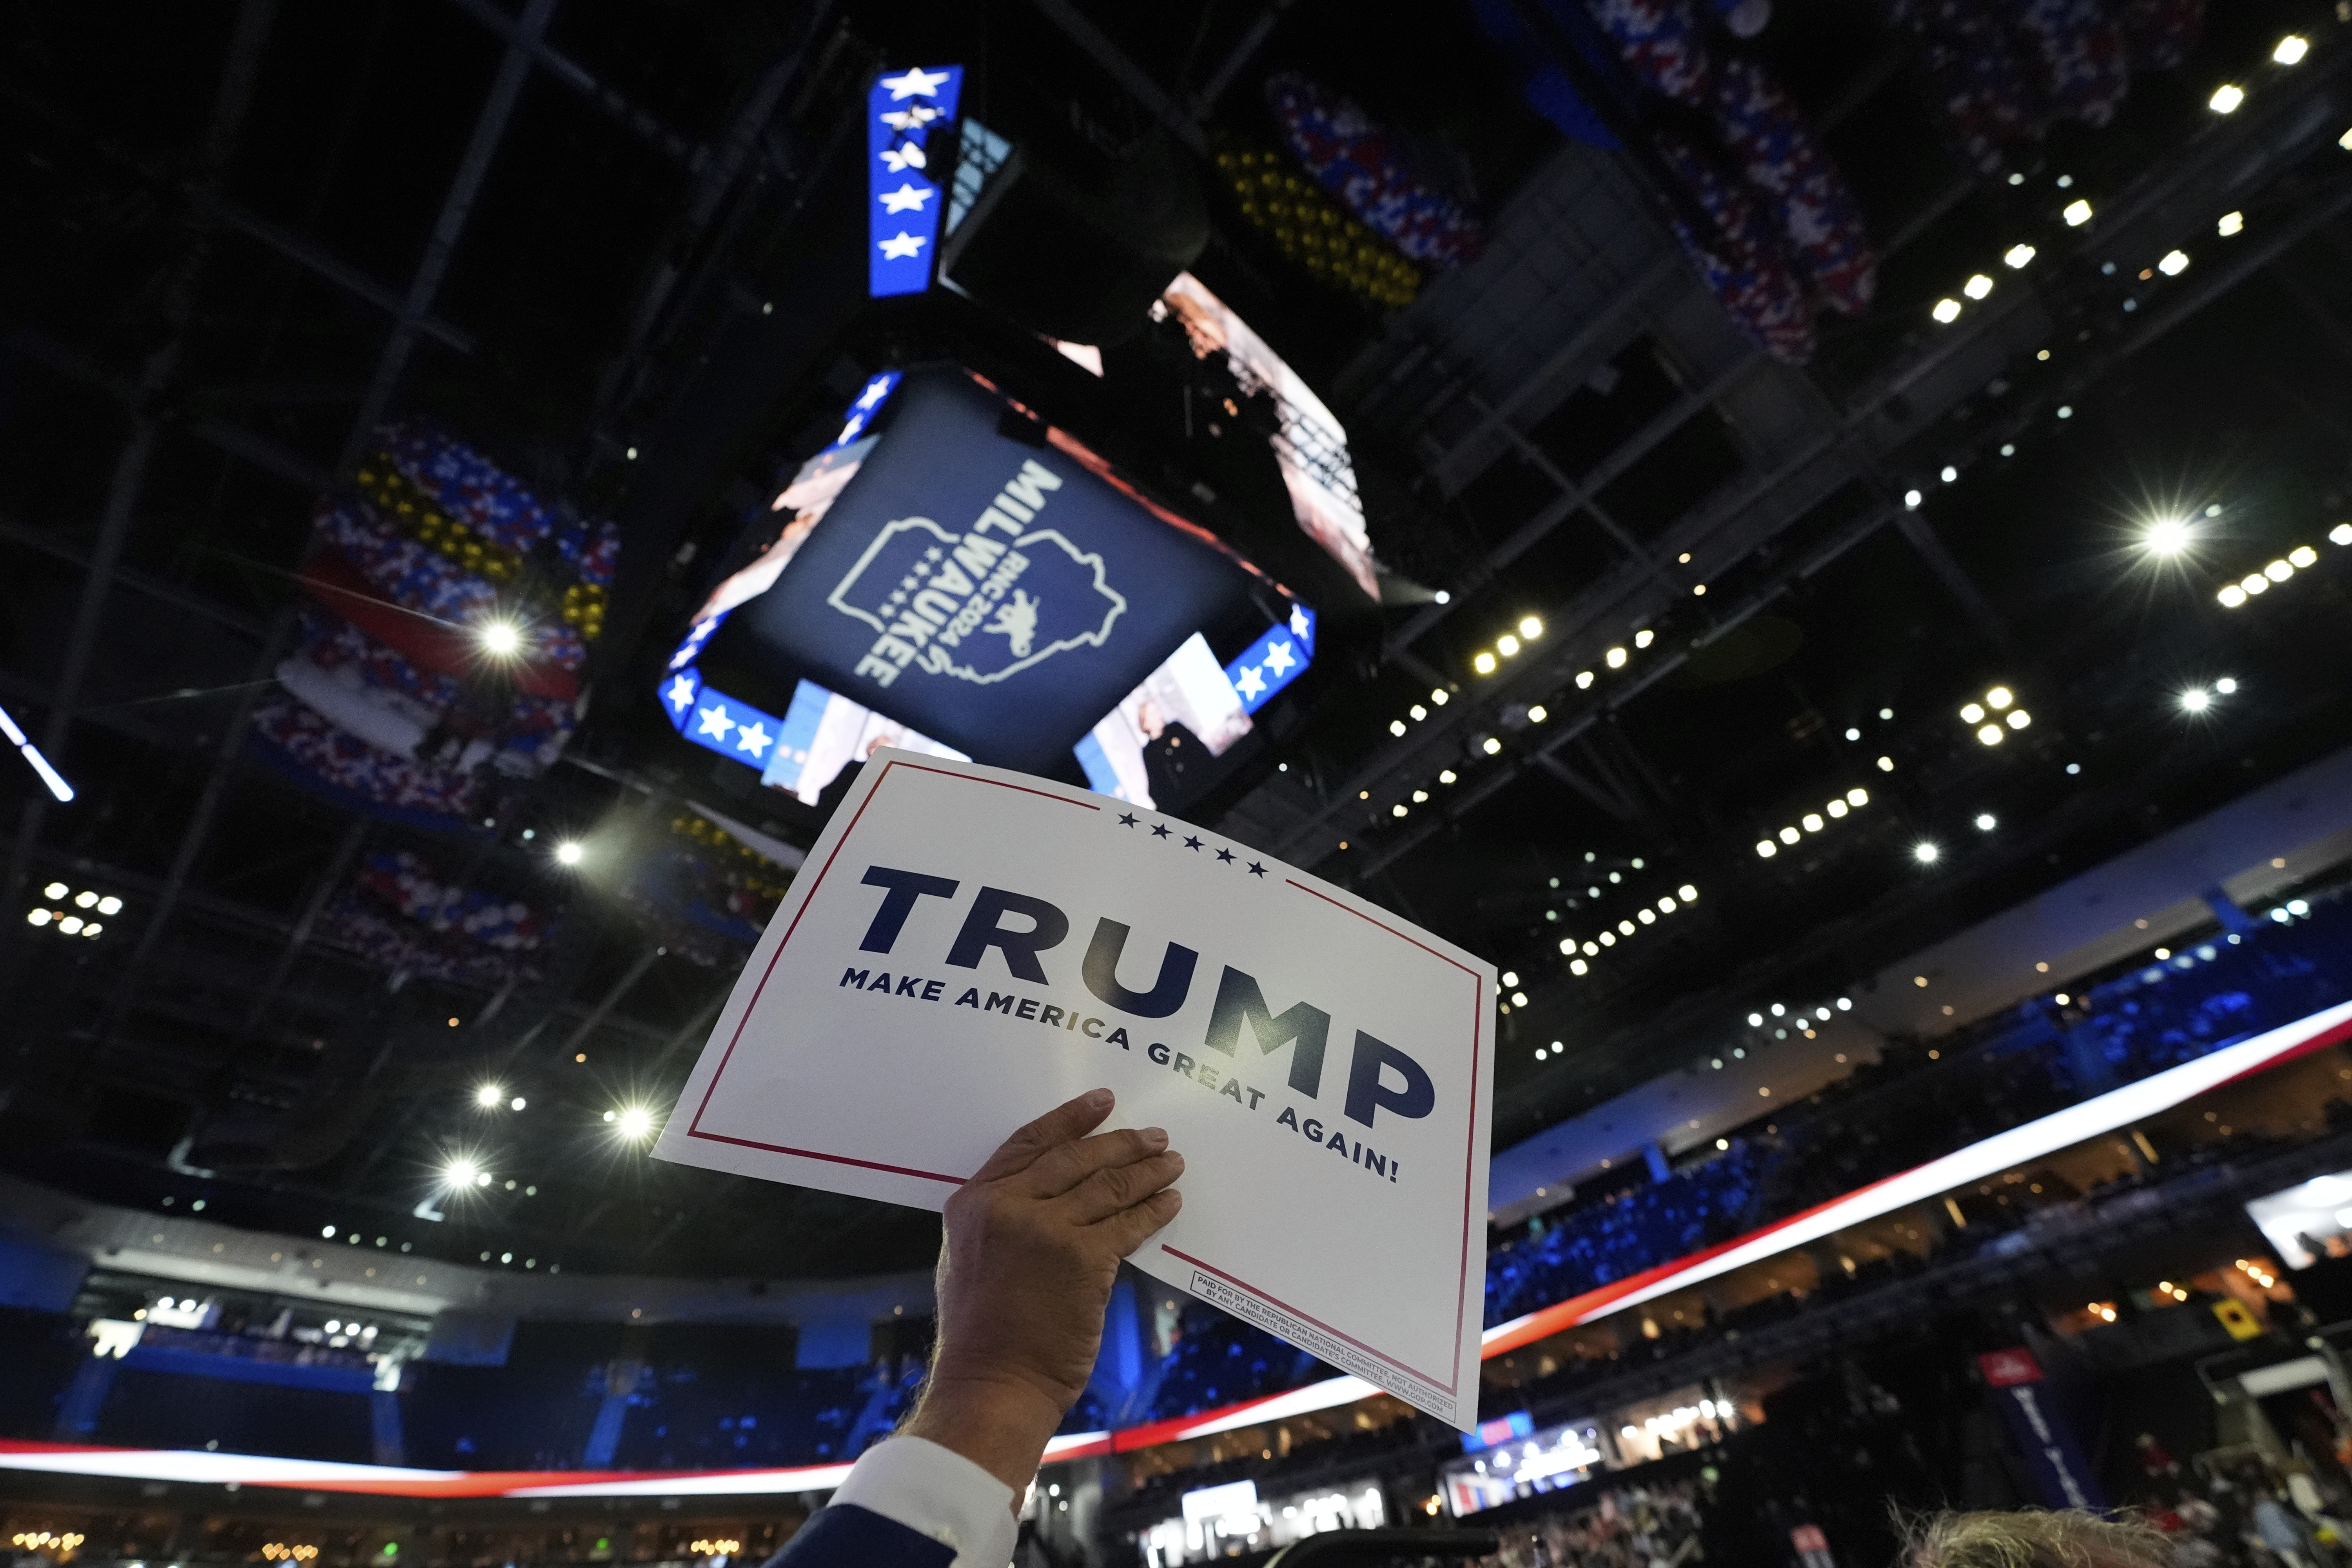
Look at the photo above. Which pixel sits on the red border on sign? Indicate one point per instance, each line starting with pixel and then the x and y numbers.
pixel 694 1129
pixel 1469 1160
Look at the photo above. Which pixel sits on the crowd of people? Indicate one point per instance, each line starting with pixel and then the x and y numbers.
pixel 1914 1103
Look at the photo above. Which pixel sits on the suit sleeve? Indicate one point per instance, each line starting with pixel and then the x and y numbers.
pixel 909 1503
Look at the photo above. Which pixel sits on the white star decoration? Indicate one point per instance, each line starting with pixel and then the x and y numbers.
pixel 876 391
pixel 904 247
pixel 754 738
pixel 898 160
pixel 1250 684
pixel 916 83
pixel 681 693
pixel 910 119
pixel 849 431
pixel 1299 622
pixel 909 197
pixel 1279 658
pixel 715 722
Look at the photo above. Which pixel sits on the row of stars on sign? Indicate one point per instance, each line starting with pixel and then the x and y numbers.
pixel 1192 841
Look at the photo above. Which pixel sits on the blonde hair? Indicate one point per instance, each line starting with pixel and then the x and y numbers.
pixel 2031 1537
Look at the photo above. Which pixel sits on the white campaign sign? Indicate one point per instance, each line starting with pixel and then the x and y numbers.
pixel 968 947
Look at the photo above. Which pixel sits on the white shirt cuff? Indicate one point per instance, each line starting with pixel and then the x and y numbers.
pixel 915 1482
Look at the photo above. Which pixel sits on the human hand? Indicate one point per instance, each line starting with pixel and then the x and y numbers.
pixel 1032 1246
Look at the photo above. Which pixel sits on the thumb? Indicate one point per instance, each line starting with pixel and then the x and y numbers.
pixel 1066 1123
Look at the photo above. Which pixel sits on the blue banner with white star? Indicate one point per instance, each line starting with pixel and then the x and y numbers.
pixel 1275 660
pixel 903 199
pixel 718 722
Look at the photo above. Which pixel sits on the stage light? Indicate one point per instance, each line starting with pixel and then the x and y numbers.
pixel 1583 680
pixel 1765 848
pixel 1991 734
pixel 634 1123
pixel 1857 796
pixel 2340 534
pixel 1950 476
pixel 92 929
pixel 1973 713
pixel 1986 821
pixel 2230 595
pixel 2291 49
pixel 1688 894
pixel 1813 822
pixel 55 781
pixel 2173 264
pixel 2167 536
pixel 1852 735
pixel 2018 256
pixel 489 1095
pixel 1538 714
pixel 2231 223
pixel 2303 555
pixel 569 854
pixel 1530 628
pixel 1616 658
pixel 1778 1011
pixel 1396 727
pixel 54 891
pixel 2226 685
pixel 110 905
pixel 1837 808
pixel 2226 99
pixel 2253 583
pixel 2196 699
pixel 1577 966
pixel 1947 310
pixel 1977 287
pixel 1446 777
pixel 71 924
pixel 1925 853
pixel 1483 663
pixel 2077 212
pixel 498 639
pixel 1911 499
pixel 1788 836
pixel 1396 810
pixel 1999 697
pixel 1418 712
pixel 37 917
pixel 1755 1020
pixel 1506 645
pixel 1493 746
pixel 1645 637
pixel 1886 764
pixel 2278 571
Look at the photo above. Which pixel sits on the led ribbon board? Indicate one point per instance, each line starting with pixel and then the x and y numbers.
pixel 992 591
pixel 1275 660
pixel 902 205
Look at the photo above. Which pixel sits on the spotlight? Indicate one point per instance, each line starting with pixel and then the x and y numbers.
pixel 569 853
pixel 2291 49
pixel 2196 699
pixel 1483 663
pixel 1973 713
pixel 1645 637
pixel 2253 583
pixel 1493 747
pixel 1506 645
pixel 1438 696
pixel 1950 476
pixel 2340 534
pixel 635 1122
pixel 2019 719
pixel 2226 99
pixel 489 1095
pixel 1977 287
pixel 1999 697
pixel 1538 714
pixel 2077 212
pixel 1925 853
pixel 54 891
pixel 2303 555
pixel 1764 848
pixel 2230 595
pixel 1991 734
pixel 2019 254
pixel 1616 658
pixel 109 906
pixel 2226 685
pixel 1530 628
pixel 2173 264
pixel 499 639
pixel 2167 536
pixel 1583 680
pixel 2231 223
pixel 1947 310
pixel 1857 796
pixel 1911 499
pixel 1986 821
pixel 2278 571
pixel 1886 764
pixel 456 1174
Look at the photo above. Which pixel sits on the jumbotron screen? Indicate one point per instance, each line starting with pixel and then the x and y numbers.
pixel 987 587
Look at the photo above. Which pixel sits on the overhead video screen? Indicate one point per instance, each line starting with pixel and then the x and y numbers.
pixel 993 594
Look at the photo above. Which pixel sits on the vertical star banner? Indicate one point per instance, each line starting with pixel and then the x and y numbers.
pixel 903 196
